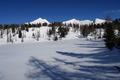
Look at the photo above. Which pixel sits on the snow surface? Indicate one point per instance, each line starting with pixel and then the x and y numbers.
pixel 74 59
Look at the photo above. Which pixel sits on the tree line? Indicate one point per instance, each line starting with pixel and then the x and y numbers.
pixel 111 31
pixel 58 30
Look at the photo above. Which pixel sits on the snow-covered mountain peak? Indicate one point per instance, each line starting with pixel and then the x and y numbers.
pixel 99 21
pixel 85 22
pixel 80 22
pixel 72 21
pixel 40 20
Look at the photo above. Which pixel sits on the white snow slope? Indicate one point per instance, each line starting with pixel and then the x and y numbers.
pixel 75 59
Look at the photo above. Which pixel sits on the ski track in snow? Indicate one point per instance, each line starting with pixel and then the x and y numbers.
pixel 76 59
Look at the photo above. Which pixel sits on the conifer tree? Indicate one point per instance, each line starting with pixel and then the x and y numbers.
pixel 109 36
pixel 20 34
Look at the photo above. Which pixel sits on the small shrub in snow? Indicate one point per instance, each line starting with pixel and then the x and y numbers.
pixel 55 38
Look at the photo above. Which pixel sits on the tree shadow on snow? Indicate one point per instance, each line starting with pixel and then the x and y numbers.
pixel 95 45
pixel 42 70
pixel 103 57
pixel 99 66
pixel 102 64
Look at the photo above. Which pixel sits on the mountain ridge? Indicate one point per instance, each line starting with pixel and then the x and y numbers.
pixel 70 21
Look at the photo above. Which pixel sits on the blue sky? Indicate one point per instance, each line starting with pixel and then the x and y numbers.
pixel 21 11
